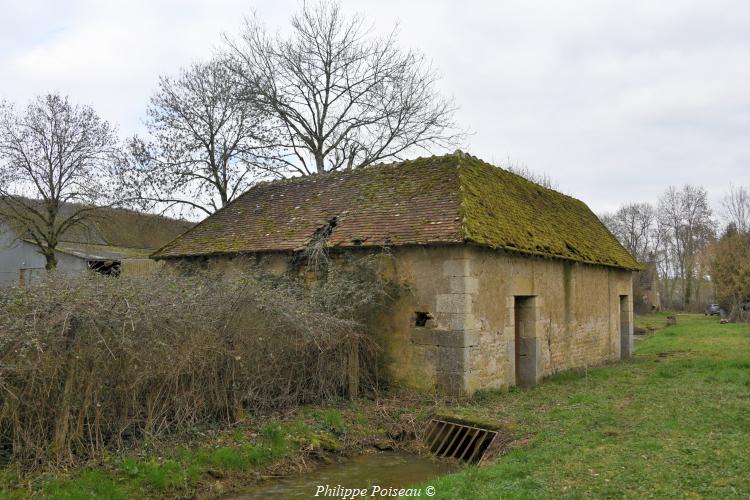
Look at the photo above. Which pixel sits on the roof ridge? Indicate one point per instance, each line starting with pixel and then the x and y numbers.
pixel 460 155
pixel 355 170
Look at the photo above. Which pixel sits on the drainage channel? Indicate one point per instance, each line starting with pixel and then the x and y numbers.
pixel 445 439
pixel 386 470
pixel 470 444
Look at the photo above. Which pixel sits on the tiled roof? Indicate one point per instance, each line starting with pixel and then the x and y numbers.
pixel 454 198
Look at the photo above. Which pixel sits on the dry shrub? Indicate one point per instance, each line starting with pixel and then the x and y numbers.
pixel 90 363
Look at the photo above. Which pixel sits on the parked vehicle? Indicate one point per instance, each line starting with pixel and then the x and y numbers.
pixel 713 310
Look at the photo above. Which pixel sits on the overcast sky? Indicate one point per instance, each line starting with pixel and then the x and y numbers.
pixel 615 100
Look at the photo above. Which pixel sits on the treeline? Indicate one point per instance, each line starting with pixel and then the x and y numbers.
pixel 331 95
pixel 695 255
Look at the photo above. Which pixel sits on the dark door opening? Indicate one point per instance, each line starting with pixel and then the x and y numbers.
pixel 526 346
pixel 626 337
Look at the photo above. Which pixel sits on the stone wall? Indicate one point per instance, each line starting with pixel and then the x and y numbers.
pixel 574 322
pixel 455 331
pixel 571 315
pixel 433 356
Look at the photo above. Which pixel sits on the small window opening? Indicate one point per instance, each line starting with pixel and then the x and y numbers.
pixel 421 318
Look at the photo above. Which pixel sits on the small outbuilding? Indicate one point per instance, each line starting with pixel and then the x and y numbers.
pixel 510 281
pixel 112 242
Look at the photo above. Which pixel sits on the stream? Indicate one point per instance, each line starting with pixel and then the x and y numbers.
pixel 386 470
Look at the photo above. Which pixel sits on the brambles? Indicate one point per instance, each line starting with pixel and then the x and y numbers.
pixel 90 364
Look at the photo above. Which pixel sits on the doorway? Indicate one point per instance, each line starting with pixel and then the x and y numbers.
pixel 526 344
pixel 626 330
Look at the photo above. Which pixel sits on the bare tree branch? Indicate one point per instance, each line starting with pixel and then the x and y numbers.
pixel 686 225
pixel 736 208
pixel 346 98
pixel 206 143
pixel 634 225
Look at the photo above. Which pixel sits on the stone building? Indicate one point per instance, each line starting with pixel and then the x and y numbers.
pixel 510 281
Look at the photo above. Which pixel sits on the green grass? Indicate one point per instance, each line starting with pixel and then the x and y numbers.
pixel 651 322
pixel 672 422
pixel 230 456
pixel 88 484
pixel 332 420
pixel 179 473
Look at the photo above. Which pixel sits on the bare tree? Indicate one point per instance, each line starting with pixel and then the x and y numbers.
pixel 634 225
pixel 344 97
pixel 204 143
pixel 736 208
pixel 55 160
pixel 687 228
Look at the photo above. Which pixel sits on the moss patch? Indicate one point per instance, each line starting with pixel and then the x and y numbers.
pixel 471 419
pixel 503 210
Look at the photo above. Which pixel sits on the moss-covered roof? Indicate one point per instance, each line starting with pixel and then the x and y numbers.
pixel 455 198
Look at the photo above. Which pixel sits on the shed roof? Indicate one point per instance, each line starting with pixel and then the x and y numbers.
pixel 455 198
pixel 100 252
pixel 115 227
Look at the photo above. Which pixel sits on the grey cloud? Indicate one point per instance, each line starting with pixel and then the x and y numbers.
pixel 614 99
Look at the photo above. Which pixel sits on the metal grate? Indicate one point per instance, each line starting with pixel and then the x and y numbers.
pixel 462 442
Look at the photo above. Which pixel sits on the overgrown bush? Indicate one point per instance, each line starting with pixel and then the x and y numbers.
pixel 91 363
pixel 730 273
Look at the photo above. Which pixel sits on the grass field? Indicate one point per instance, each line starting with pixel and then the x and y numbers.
pixel 672 422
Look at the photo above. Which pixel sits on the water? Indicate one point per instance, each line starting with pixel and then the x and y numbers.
pixel 386 470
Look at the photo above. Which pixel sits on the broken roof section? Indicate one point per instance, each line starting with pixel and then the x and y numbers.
pixel 449 199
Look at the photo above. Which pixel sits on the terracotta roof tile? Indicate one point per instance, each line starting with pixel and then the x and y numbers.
pixel 449 199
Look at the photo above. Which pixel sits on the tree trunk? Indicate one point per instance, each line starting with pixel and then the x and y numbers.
pixel 688 288
pixel 51 260
pixel 320 164
pixel 697 294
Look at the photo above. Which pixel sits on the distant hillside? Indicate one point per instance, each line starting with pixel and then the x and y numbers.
pixel 122 228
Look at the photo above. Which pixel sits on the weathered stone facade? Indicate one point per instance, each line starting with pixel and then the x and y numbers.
pixel 480 306
pixel 484 305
